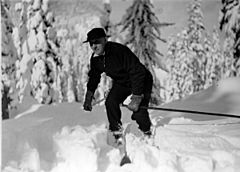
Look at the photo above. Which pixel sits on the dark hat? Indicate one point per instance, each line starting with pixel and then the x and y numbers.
pixel 95 33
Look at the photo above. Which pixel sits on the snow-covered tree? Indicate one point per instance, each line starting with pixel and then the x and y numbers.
pixel 186 53
pixel 143 29
pixel 229 68
pixel 38 52
pixel 46 61
pixel 195 31
pixel 8 59
pixel 65 80
pixel 214 64
pixel 196 59
pixel 230 23
pixel 111 29
pixel 180 67
pixel 105 18
pixel 24 63
pixel 75 58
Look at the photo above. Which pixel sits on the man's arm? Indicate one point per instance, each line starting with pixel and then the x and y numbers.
pixel 136 70
pixel 94 77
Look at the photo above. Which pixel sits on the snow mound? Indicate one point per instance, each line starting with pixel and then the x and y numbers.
pixel 82 148
pixel 65 138
pixel 229 85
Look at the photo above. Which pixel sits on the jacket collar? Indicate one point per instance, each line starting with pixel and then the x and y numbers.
pixel 95 55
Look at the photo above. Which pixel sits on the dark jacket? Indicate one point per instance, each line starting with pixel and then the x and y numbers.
pixel 122 65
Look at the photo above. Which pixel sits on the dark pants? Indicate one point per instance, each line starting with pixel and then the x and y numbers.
pixel 116 96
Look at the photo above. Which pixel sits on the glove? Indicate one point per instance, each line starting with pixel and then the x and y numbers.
pixel 135 102
pixel 87 105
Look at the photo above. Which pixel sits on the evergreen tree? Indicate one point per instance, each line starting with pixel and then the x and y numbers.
pixel 195 32
pixel 181 69
pixel 8 59
pixel 37 51
pixel 196 58
pixel 46 61
pixel 187 55
pixel 214 65
pixel 105 18
pixel 111 29
pixel 230 23
pixel 143 30
pixel 24 62
pixel 228 66
pixel 75 56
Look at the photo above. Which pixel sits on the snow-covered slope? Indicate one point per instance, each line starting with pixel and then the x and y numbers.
pixel 63 137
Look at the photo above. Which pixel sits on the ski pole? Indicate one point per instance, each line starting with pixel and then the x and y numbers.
pixel 179 110
pixel 104 98
pixel 189 111
pixel 99 101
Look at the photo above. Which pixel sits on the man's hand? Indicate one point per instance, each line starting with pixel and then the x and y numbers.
pixel 135 102
pixel 87 105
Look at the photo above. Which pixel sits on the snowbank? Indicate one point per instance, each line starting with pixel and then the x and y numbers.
pixel 65 138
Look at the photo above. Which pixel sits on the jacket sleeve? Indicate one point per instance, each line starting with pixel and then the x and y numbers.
pixel 94 77
pixel 136 71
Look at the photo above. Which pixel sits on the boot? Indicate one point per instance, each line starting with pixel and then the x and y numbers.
pixel 118 135
pixel 148 137
pixel 148 134
pixel 115 138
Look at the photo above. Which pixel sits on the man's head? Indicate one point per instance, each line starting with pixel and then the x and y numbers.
pixel 97 39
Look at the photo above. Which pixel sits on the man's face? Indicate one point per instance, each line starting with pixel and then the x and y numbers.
pixel 98 45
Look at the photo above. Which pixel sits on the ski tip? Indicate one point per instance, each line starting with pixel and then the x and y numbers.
pixel 125 160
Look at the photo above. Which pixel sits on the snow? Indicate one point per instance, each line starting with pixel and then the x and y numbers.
pixel 63 137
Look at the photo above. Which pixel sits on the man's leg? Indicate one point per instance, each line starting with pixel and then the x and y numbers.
pixel 115 97
pixel 142 116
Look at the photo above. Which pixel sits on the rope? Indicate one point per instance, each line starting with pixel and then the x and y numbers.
pixel 186 111
pixel 189 111
pixel 180 110
pixel 227 123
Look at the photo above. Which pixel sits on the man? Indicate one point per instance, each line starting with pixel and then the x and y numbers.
pixel 130 77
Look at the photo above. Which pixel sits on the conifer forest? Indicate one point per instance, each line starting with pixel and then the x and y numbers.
pixel 44 58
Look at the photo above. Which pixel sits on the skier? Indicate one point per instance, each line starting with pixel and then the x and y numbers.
pixel 129 75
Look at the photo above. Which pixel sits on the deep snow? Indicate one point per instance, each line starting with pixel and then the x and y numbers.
pixel 63 137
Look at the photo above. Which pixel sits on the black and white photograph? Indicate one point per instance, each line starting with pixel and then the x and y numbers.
pixel 120 86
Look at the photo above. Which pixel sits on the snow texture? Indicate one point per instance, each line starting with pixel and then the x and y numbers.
pixel 65 138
